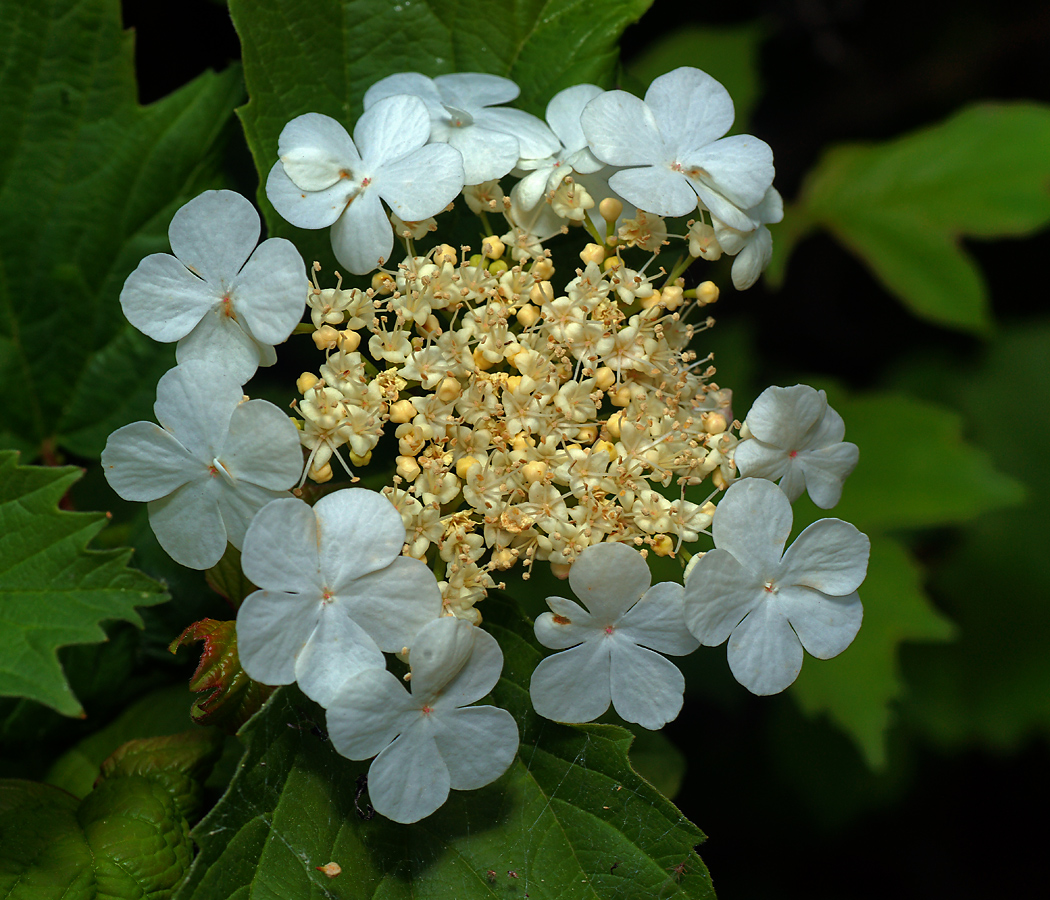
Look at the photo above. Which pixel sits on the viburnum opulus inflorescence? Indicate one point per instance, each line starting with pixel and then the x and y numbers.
pixel 529 400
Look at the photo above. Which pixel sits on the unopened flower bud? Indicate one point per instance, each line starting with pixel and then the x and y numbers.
pixel 542 292
pixel 431 327
pixel 599 446
pixel 498 267
pixel 612 264
pixel 560 570
pixel 446 253
pixel 349 341
pixel 480 361
pixel 492 247
pixel 513 383
pixel 604 378
pixel 528 315
pixel 587 434
pixel 718 480
pixel 592 253
pixel 322 474
pixel 706 292
pixel 449 389
pixel 306 381
pixel 672 296
pixel 464 464
pixel 383 283
pixel 360 460
pixel 613 425
pixel 534 471
pixel 663 545
pixel 326 337
pixel 476 260
pixel 402 411
pixel 713 422
pixel 542 269
pixel 407 468
pixel 610 209
pixel 620 397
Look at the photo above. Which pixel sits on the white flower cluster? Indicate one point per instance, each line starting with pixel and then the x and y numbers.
pixel 539 416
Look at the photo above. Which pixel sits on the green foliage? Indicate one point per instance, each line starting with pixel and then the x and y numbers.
pixel 128 838
pixel 989 688
pixel 53 590
pixel 229 697
pixel 901 482
pixel 903 206
pixel 305 56
pixel 728 54
pixel 571 819
pixel 88 182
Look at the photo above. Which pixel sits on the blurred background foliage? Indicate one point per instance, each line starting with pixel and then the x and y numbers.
pixel 912 145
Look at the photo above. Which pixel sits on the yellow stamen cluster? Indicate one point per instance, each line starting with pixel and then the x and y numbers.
pixel 530 421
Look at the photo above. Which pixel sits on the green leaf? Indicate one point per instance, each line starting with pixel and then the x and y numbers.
pixel 305 56
pixel 230 697
pixel 53 590
pixel 857 689
pixel 88 182
pixel 727 54
pixel 989 688
pixel 903 206
pixel 571 819
pixel 128 838
pixel 916 469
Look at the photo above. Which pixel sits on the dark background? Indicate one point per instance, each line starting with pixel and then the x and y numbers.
pixel 953 825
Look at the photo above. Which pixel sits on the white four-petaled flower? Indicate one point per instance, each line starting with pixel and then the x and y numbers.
pixel 324 177
pixel 220 296
pixel 608 648
pixel 215 462
pixel 673 149
pixel 428 740
pixel 796 439
pixel 335 591
pixel 464 114
pixel 768 603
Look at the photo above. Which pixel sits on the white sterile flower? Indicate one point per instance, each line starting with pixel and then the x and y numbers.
pixel 673 147
pixel 563 116
pixel 768 603
pixel 335 591
pixel 463 113
pixel 215 462
pixel 612 643
pixel 326 178
pixel 428 740
pixel 220 296
pixel 796 439
pixel 753 249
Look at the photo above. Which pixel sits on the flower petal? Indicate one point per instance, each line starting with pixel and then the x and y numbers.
pixel 475 89
pixel 316 151
pixel 691 108
pixel 830 556
pixel 765 656
pixel 739 167
pixel 370 709
pixel 404 83
pixel 142 462
pixel 439 653
pixel 272 629
pixel 719 592
pixel 752 522
pixel 564 111
pixel 573 685
pixel 535 139
pixel 422 184
pixel 391 129
pixel 646 687
pixel 409 780
pixel 477 744
pixel 609 578
pixel 188 524
pixel 393 603
pixel 262 446
pixel 486 154
pixel 270 291
pixel 622 131
pixel 755 459
pixel 655 189
pixel 578 624
pixel 784 417
pixel 362 237
pixel 281 548
pixel 239 504
pixel 657 621
pixel 306 209
pixel 214 234
pixel 753 259
pixel 195 402
pixel 826 469
pixel 474 679
pixel 164 299
pixel 338 648
pixel 221 338
pixel 825 625
pixel 359 531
